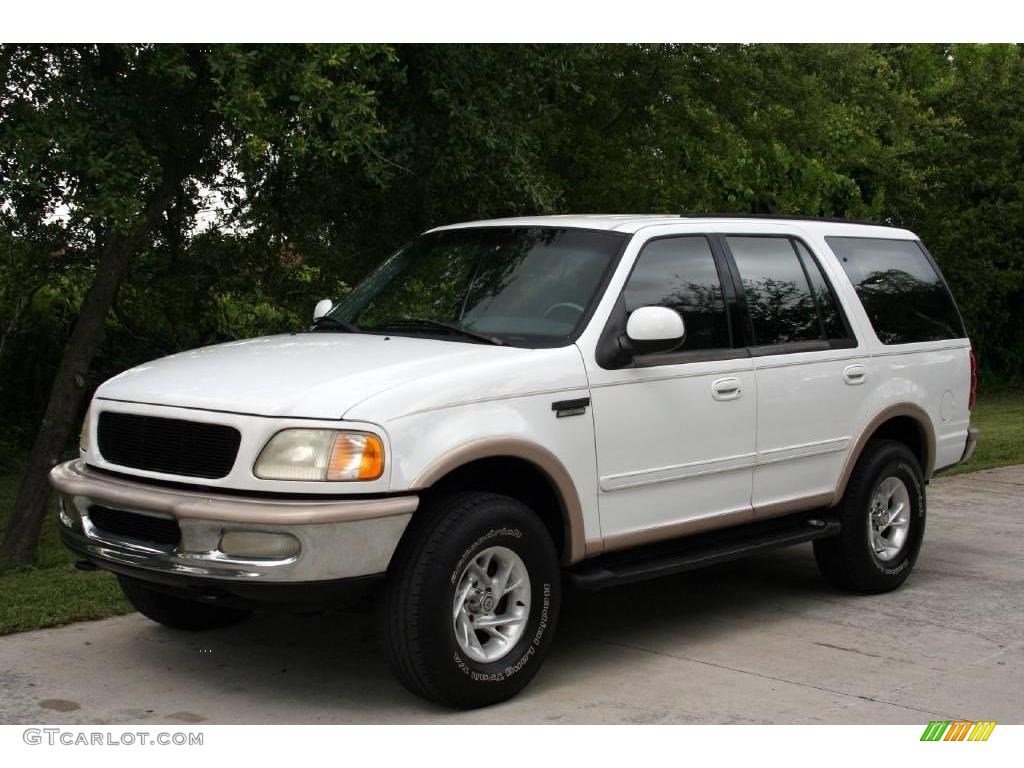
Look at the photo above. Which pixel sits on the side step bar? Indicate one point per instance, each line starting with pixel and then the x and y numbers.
pixel 697 551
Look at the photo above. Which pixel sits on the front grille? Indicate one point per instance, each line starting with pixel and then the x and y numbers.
pixel 172 446
pixel 131 525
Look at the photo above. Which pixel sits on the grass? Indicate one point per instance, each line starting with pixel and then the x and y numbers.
pixel 54 593
pixel 1000 418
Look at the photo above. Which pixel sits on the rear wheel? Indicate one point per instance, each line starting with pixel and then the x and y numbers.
pixel 882 516
pixel 472 599
pixel 177 612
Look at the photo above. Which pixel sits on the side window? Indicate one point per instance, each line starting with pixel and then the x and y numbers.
pixel 779 300
pixel 903 295
pixel 828 305
pixel 680 273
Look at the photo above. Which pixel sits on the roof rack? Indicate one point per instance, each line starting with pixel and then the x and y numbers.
pixel 782 217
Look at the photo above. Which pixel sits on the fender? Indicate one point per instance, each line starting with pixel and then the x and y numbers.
pixel 538 456
pixel 924 423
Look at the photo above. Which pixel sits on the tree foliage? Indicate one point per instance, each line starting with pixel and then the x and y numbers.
pixel 222 189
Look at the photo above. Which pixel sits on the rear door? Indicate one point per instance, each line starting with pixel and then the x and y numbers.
pixel 812 377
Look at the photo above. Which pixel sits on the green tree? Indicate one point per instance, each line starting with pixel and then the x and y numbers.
pixel 117 143
pixel 322 159
pixel 972 214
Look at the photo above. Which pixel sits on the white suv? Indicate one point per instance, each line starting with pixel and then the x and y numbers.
pixel 506 403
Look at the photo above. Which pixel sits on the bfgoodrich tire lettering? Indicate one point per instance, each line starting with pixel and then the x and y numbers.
pixel 417 627
pixel 850 560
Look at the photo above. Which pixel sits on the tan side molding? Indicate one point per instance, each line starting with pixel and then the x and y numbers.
pixel 73 478
pixel 916 413
pixel 540 457
pixel 678 529
pixel 790 506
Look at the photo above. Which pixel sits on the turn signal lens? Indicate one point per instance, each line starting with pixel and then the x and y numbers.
pixel 321 454
pixel 356 456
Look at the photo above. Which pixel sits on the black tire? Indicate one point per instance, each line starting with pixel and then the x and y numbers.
pixel 416 610
pixel 849 560
pixel 177 612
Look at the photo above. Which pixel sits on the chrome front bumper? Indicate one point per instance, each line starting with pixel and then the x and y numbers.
pixel 338 539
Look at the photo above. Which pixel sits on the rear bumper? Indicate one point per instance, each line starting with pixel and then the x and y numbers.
pixel 972 443
pixel 337 539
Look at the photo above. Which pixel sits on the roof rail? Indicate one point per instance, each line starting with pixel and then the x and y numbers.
pixel 782 217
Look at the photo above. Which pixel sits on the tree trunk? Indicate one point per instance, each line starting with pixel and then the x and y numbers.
pixel 32 501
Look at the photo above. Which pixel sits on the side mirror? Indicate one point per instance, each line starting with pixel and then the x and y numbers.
pixel 322 308
pixel 654 329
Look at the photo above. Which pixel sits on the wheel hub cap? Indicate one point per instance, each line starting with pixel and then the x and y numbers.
pixel 889 518
pixel 491 604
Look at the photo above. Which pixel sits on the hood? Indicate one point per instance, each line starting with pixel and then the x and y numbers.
pixel 306 375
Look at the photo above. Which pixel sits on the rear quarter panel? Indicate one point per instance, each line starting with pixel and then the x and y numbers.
pixel 933 375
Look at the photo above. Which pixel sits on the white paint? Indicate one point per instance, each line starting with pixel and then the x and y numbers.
pixel 658 445
pixel 322 308
pixel 655 324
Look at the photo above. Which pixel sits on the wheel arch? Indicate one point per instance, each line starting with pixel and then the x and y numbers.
pixel 521 469
pixel 905 422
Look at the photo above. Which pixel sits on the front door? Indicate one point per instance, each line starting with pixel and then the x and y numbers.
pixel 675 431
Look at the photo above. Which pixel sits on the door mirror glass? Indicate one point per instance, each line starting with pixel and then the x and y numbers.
pixel 322 308
pixel 655 329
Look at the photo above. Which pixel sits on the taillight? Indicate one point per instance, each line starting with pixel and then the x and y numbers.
pixel 974 382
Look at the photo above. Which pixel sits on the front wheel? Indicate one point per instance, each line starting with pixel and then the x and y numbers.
pixel 472 599
pixel 882 518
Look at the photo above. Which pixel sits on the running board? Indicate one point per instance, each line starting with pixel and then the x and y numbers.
pixel 700 550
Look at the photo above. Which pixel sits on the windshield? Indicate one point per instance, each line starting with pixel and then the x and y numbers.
pixel 524 286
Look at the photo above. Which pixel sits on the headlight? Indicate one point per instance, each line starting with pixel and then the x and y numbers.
pixel 83 436
pixel 321 454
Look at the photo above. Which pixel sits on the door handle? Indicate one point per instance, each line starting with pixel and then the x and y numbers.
pixel 726 389
pixel 855 374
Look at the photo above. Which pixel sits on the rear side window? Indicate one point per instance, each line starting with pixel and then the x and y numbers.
pixel 902 293
pixel 828 307
pixel 780 303
pixel 680 273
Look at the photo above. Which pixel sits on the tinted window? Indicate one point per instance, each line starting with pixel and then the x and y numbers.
pixel 828 306
pixel 680 272
pixel 779 300
pixel 903 295
pixel 527 286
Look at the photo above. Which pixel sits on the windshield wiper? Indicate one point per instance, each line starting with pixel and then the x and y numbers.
pixel 336 323
pixel 423 323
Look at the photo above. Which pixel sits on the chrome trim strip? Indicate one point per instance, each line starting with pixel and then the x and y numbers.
pixel 641 477
pixel 802 451
pixel 624 480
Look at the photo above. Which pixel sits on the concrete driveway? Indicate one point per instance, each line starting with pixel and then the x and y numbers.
pixel 760 641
